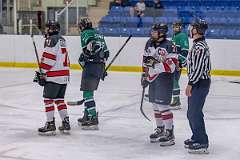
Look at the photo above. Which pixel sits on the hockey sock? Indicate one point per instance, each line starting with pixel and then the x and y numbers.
pixel 157 115
pixel 167 116
pixel 89 103
pixel 176 90
pixel 49 109
pixel 62 108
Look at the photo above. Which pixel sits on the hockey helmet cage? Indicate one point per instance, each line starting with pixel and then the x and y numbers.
pixel 163 28
pixel 53 25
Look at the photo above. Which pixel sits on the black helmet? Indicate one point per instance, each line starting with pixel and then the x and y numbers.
pixel 161 28
pixel 155 27
pixel 200 25
pixel 53 25
pixel 178 23
pixel 85 23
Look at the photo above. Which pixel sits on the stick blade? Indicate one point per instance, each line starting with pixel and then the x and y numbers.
pixel 75 103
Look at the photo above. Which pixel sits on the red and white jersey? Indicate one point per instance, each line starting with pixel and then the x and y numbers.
pixel 55 61
pixel 165 56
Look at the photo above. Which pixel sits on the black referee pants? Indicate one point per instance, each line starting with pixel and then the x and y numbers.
pixel 195 114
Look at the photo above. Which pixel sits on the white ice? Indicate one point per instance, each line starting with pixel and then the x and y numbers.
pixel 123 131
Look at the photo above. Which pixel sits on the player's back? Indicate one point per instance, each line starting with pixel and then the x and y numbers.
pixel 56 57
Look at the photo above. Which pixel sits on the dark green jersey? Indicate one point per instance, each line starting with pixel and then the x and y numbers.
pixel 89 35
pixel 181 41
pixel 94 46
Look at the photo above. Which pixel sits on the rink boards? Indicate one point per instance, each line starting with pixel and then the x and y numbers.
pixel 18 51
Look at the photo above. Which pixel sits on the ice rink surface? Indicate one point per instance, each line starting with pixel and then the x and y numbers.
pixel 123 131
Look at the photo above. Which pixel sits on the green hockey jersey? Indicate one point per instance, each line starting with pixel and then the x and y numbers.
pixel 181 41
pixel 98 51
pixel 89 35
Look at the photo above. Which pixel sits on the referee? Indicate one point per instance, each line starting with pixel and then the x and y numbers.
pixel 198 66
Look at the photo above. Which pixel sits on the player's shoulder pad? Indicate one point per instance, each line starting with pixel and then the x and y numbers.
pixel 53 40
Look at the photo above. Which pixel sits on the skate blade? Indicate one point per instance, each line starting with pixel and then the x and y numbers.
pixel 198 151
pixel 67 132
pixel 72 103
pixel 94 127
pixel 155 140
pixel 51 133
pixel 169 143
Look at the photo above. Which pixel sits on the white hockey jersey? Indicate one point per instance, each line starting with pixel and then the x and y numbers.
pixel 55 60
pixel 165 56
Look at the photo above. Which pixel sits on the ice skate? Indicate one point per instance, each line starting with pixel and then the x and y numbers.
pixel 49 129
pixel 168 138
pixel 90 124
pixel 197 148
pixel 159 133
pixel 83 119
pixel 176 104
pixel 65 127
pixel 188 142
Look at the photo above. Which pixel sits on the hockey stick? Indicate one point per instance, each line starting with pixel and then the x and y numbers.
pixel 105 71
pixel 119 51
pixel 36 53
pixel 74 103
pixel 141 106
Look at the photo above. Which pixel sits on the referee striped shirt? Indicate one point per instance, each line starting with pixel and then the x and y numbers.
pixel 198 61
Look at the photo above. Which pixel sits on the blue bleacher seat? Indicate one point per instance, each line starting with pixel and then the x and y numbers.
pixel 124 32
pixel 221 15
pixel 147 21
pixel 111 31
pixel 137 32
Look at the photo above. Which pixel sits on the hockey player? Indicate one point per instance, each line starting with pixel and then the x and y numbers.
pixel 180 39
pixel 199 67
pixel 92 61
pixel 54 76
pixel 159 63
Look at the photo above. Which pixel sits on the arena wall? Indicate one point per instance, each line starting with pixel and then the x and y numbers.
pixel 18 51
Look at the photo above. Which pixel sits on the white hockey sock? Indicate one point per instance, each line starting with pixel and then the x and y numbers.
pixel 157 115
pixel 49 109
pixel 62 108
pixel 167 116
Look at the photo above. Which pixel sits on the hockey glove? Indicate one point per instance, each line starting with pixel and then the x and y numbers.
pixel 144 81
pixel 82 60
pixel 149 61
pixel 39 78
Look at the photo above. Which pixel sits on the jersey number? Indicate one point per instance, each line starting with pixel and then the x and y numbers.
pixel 66 62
